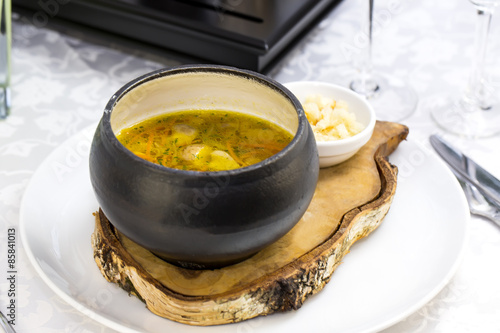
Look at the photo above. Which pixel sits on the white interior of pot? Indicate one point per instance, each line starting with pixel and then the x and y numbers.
pixel 203 91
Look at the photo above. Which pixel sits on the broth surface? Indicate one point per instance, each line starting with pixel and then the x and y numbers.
pixel 205 140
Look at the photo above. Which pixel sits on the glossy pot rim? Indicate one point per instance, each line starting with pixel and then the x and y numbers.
pixel 108 133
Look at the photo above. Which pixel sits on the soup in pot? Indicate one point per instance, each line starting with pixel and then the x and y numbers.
pixel 205 140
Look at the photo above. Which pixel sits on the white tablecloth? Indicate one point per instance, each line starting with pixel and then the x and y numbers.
pixel 60 85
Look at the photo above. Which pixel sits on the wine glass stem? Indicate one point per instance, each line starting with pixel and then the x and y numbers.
pixel 365 84
pixel 476 93
pixel 366 64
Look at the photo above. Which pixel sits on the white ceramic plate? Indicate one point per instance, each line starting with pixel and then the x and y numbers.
pixel 386 276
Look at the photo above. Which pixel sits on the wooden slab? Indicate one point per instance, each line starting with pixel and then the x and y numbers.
pixel 350 201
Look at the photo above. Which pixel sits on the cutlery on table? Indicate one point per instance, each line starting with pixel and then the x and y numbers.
pixel 4 323
pixel 478 205
pixel 481 188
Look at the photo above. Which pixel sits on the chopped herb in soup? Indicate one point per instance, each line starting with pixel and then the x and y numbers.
pixel 205 140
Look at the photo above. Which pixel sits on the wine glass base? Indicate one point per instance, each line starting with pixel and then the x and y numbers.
pixel 391 98
pixel 462 119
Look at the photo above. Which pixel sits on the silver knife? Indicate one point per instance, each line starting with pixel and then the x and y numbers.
pixel 468 170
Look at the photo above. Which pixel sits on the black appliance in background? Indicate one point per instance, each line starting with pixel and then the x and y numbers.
pixel 249 34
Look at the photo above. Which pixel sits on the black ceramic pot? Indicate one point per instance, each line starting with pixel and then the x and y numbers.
pixel 203 219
